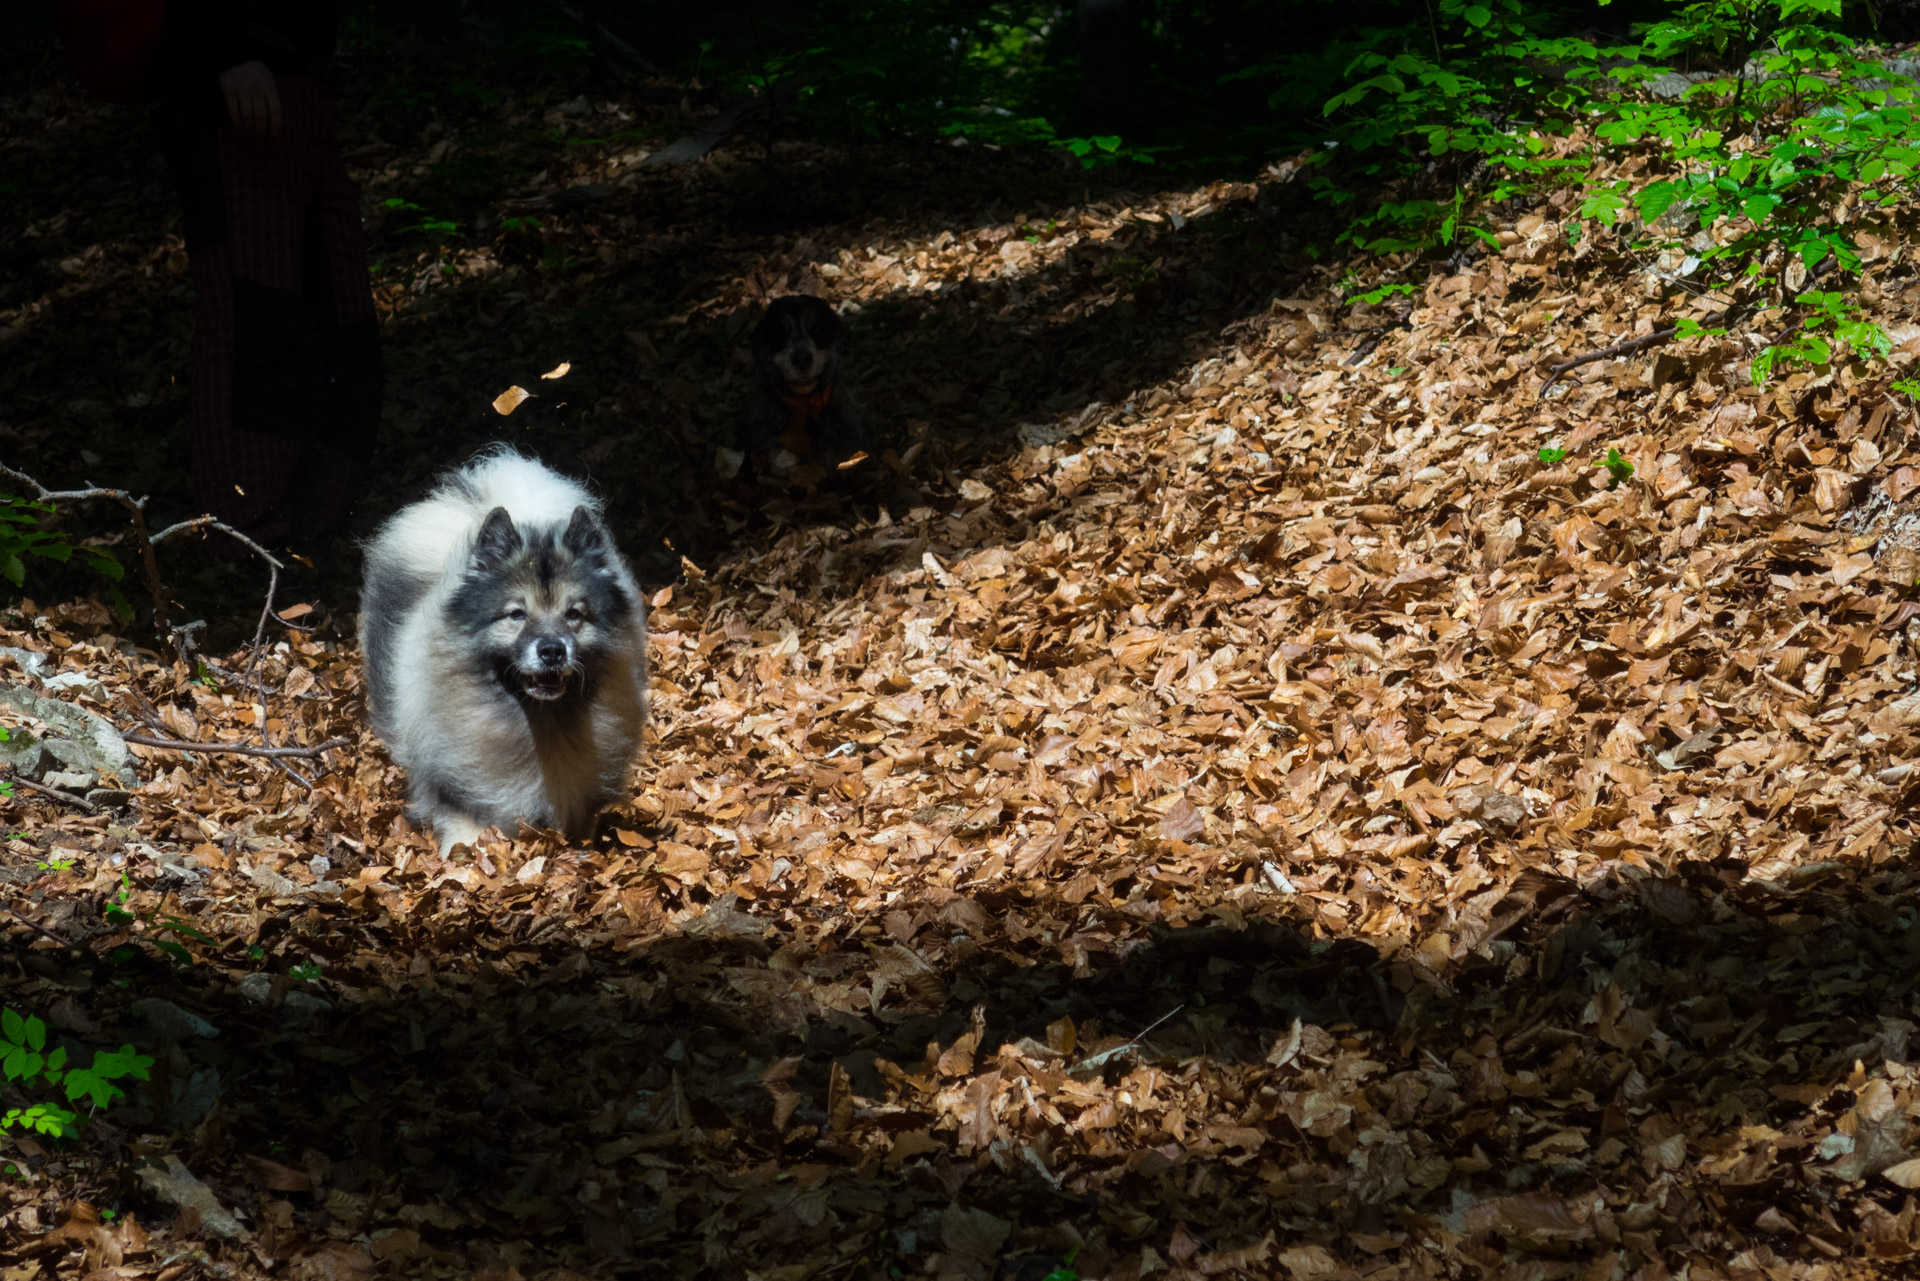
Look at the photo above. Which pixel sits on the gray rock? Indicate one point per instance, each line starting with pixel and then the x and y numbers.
pixel 190 1099
pixel 70 780
pixel 173 1183
pixel 23 754
pixel 170 1021
pixel 1671 85
pixel 303 1007
pixel 177 866
pixel 256 986
pixel 35 664
pixel 85 741
pixel 273 882
pixel 78 683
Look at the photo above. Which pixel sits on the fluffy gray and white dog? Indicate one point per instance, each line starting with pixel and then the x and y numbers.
pixel 506 651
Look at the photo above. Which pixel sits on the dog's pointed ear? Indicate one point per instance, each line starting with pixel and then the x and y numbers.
pixel 585 535
pixel 497 542
pixel 829 328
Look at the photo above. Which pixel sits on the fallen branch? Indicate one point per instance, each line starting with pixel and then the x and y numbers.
pixel 1379 336
pixel 237 749
pixel 149 562
pixel 694 146
pixel 274 566
pixel 1734 315
pixel 1627 348
pixel 136 509
pixel 42 930
pixel 79 802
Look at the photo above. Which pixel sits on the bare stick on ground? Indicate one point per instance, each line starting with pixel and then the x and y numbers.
pixel 38 928
pixel 136 509
pixel 237 749
pixel 1379 336
pixel 79 802
pixel 274 566
pixel 1627 348
pixel 147 541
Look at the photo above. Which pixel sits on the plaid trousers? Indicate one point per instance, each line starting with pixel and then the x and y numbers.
pixel 285 377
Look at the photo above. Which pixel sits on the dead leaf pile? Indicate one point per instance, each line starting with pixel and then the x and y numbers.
pixel 1269 822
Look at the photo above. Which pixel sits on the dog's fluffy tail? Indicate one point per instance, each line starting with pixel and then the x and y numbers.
pixel 426 544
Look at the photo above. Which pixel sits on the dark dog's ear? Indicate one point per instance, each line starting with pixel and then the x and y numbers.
pixel 825 326
pixel 584 537
pixel 497 542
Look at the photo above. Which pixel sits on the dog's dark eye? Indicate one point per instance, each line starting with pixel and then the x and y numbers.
pixel 517 614
pixel 575 614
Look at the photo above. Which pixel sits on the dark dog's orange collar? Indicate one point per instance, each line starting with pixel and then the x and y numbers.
pixel 810 406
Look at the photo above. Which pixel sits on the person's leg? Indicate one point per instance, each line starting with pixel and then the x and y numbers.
pixel 342 329
pixel 239 476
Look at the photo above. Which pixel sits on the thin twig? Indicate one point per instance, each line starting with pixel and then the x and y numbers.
pixel 237 749
pixel 1626 348
pixel 44 932
pixel 79 802
pixel 1734 316
pixel 136 510
pixel 1379 336
pixel 1096 1060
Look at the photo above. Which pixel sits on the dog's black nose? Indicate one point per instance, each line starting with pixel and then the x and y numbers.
pixel 551 653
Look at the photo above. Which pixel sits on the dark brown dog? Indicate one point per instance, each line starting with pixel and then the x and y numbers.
pixel 800 404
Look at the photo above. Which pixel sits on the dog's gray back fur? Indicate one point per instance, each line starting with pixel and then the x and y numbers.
pixel 442 688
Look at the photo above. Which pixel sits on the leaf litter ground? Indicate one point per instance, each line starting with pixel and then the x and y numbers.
pixel 1214 807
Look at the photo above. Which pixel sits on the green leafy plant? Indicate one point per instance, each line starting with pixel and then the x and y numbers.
pixel 55 865
pixel 1551 455
pixel 305 972
pixel 1463 105
pixel 174 925
pixel 426 224
pixel 1065 1271
pixel 23 534
pixel 1374 297
pixel 118 912
pixel 1830 318
pixel 24 1060
pixel 1619 470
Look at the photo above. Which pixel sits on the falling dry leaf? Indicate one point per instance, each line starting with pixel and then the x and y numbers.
pixel 558 371
pixel 509 400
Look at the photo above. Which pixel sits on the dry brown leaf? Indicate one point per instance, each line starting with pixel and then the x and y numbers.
pixel 510 399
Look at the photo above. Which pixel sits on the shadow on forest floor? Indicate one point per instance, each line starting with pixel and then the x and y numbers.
pixel 617 1103
pixel 647 291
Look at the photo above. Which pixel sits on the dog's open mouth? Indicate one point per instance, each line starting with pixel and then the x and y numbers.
pixel 544 684
pixel 801 386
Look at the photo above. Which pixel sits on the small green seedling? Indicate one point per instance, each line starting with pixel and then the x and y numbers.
pixel 306 972
pixel 1619 470
pixel 117 912
pixel 1065 1271
pixel 55 865
pixel 1551 455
